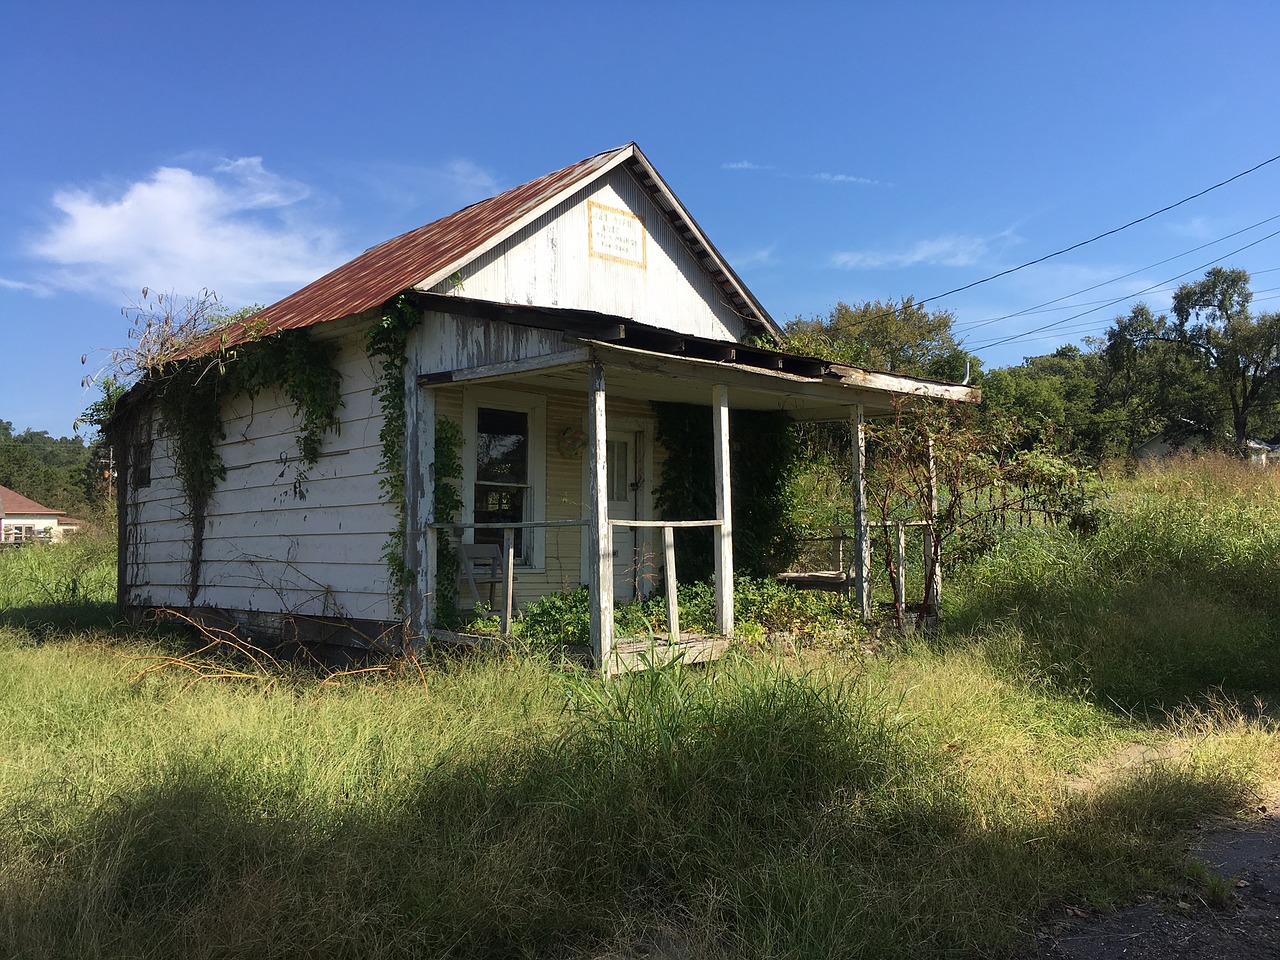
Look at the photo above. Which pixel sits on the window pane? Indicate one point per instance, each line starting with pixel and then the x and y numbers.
pixel 502 446
pixel 498 504
pixel 502 473
pixel 618 480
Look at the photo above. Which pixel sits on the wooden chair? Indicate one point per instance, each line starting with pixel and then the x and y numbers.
pixel 480 564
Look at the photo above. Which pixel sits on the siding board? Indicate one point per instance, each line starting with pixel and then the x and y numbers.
pixel 550 263
pixel 310 535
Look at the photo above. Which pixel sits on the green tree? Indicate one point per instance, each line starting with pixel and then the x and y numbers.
pixel 1240 352
pixel 1059 394
pixel 49 470
pixel 883 335
pixel 1151 383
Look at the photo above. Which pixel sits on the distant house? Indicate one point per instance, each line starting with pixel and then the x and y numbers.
pixel 22 520
pixel 1181 437
pixel 546 321
pixel 1261 453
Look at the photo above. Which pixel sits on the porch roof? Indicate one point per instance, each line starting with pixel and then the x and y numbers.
pixel 650 363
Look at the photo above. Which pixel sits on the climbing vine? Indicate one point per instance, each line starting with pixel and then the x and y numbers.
pixel 189 394
pixel 447 501
pixel 762 456
pixel 386 344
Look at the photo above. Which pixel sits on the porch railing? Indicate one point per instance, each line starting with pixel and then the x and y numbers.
pixel 668 528
pixel 931 562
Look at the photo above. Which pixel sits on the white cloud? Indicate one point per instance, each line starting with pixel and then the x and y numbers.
pixel 761 257
pixel 842 178
pixel 236 230
pixel 744 165
pixel 23 286
pixel 949 251
pixel 1195 228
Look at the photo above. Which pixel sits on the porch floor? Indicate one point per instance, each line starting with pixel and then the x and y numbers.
pixel 630 654
pixel 636 653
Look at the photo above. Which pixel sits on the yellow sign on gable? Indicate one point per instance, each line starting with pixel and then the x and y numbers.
pixel 616 235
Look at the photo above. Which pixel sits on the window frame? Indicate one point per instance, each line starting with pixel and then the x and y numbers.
pixel 534 406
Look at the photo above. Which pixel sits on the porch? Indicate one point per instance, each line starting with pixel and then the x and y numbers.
pixel 600 359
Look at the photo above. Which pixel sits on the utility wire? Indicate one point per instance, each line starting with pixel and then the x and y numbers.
pixel 1058 323
pixel 1090 303
pixel 1151 266
pixel 1082 243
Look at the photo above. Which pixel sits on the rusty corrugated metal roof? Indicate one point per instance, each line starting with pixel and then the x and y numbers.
pixel 429 254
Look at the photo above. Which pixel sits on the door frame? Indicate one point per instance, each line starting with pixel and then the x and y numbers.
pixel 644 493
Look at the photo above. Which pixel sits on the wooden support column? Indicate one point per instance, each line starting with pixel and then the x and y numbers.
pixel 508 577
pixel 861 537
pixel 669 575
pixel 900 565
pixel 724 511
pixel 599 533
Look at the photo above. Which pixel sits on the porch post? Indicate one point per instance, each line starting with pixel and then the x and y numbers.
pixel 419 597
pixel 861 539
pixel 932 553
pixel 724 511
pixel 599 533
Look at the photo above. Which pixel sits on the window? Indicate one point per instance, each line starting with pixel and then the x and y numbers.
pixel 504 467
pixel 502 489
pixel 140 454
pixel 618 465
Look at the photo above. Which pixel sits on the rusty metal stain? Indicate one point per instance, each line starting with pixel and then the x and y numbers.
pixel 412 258
pixel 401 262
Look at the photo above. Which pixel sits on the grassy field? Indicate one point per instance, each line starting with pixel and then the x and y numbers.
pixel 939 799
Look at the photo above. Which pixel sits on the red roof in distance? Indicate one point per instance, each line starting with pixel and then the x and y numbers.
pixel 12 502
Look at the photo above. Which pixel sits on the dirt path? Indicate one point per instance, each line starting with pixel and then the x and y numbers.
pixel 1244 924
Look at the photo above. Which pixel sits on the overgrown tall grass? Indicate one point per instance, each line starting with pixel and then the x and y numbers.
pixel 502 808
pixel 1176 596
pixel 60 583
pixel 935 801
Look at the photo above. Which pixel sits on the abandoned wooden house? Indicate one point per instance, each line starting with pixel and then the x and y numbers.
pixel 535 330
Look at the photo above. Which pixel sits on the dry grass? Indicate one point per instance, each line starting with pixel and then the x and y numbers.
pixel 934 801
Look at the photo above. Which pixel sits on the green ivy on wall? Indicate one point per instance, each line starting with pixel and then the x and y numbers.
pixel 447 503
pixel 387 343
pixel 762 455
pixel 189 395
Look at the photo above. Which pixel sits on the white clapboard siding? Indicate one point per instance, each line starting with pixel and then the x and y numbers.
pixel 314 533
pixel 552 263
pixel 280 535
pixel 157 548
pixel 447 342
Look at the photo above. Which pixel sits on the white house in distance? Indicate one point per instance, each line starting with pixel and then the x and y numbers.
pixel 551 316
pixel 22 520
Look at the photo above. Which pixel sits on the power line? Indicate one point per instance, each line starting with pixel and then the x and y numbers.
pixel 1153 287
pixel 1108 233
pixel 1126 276
pixel 1090 303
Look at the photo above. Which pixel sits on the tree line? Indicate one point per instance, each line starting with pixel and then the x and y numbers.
pixel 1209 370
pixel 62 473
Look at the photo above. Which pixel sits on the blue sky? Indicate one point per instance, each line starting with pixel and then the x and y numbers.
pixel 831 151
